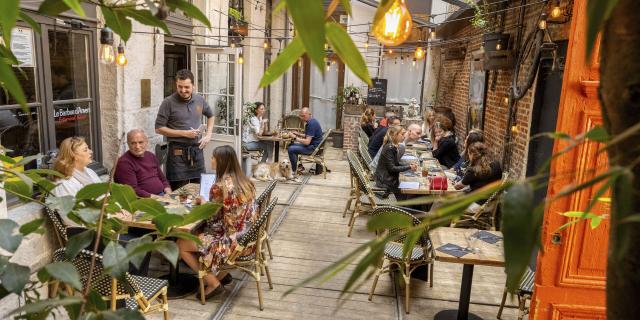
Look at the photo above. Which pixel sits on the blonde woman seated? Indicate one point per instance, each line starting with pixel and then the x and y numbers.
pixel 73 157
pixel 219 236
pixel 389 167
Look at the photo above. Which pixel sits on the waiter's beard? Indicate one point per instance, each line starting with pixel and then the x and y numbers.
pixel 185 99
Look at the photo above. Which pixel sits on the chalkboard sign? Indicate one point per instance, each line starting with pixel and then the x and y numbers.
pixel 377 94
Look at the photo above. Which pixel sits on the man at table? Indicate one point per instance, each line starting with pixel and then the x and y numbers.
pixel 179 119
pixel 140 168
pixel 375 142
pixel 307 142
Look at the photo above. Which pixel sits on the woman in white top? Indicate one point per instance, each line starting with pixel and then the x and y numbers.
pixel 72 161
pixel 255 128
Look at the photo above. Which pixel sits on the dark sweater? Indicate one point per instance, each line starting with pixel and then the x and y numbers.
pixel 389 168
pixel 475 181
pixel 447 152
pixel 368 129
pixel 143 174
pixel 375 142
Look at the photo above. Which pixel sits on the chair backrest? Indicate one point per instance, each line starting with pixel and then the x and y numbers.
pixel 100 281
pixel 526 283
pixel 58 226
pixel 320 147
pixel 292 122
pixel 363 150
pixel 423 241
pixel 363 135
pixel 354 167
pixel 265 197
pixel 256 230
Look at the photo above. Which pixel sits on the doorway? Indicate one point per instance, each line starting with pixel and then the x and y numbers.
pixel 176 57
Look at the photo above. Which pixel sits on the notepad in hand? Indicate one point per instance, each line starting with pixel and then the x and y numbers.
pixel 409 185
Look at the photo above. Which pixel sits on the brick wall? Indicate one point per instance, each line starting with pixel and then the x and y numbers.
pixel 453 92
pixel 350 123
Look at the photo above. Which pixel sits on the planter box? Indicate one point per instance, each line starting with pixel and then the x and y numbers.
pixel 353 108
pixel 238 28
pixel 496 60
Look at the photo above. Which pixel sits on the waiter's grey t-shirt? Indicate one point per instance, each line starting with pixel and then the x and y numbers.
pixel 175 113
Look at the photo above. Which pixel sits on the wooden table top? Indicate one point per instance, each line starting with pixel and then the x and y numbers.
pixel 489 254
pixel 423 188
pixel 172 203
pixel 277 138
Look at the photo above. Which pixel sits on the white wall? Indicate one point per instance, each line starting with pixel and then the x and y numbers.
pixel 362 14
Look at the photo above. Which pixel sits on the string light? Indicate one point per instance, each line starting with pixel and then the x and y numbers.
pixel 390 51
pixel 556 11
pixel 328 65
pixel 395 27
pixel 121 59
pixel 419 53
pixel 401 59
pixel 240 58
pixel 499 45
pixel 505 100
pixel 265 44
pixel 542 24
pixel 299 63
pixel 233 45
pixel 433 34
pixel 413 63
pixel 326 46
pixel 514 128
pixel 366 45
pixel 107 54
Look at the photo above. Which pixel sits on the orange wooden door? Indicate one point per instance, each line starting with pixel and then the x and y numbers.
pixel 571 273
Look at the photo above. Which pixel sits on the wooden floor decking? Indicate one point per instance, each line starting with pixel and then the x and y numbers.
pixel 309 233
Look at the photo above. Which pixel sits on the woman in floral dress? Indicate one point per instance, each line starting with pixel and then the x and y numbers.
pixel 237 195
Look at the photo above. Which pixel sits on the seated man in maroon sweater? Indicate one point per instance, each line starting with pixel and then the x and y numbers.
pixel 140 168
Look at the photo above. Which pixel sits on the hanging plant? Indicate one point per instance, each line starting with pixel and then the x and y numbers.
pixel 479 19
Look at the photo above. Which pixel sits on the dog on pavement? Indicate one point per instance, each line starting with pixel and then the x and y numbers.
pixel 273 171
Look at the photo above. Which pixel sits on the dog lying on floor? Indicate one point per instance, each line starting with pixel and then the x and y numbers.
pixel 273 171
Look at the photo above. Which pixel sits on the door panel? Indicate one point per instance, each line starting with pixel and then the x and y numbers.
pixel 571 269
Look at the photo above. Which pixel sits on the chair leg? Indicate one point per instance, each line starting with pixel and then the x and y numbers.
pixel 259 293
pixel 431 274
pixel 522 306
pixel 53 288
pixel 348 206
pixel 324 169
pixel 375 279
pixel 269 248
pixel 165 305
pixel 407 288
pixel 201 281
pixel 352 221
pixel 504 299
pixel 266 271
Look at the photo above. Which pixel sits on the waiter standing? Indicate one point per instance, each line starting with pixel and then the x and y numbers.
pixel 180 119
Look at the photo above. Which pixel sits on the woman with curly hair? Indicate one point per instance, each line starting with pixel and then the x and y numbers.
pixel 481 171
pixel 368 121
pixel 219 236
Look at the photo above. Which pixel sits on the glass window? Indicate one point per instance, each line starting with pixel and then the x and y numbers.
pixel 216 74
pixel 23 46
pixel 72 119
pixel 69 65
pixel 19 133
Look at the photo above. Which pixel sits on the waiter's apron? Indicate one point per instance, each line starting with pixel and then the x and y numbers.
pixel 184 161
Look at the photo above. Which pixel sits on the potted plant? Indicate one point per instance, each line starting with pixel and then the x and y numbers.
pixel 237 25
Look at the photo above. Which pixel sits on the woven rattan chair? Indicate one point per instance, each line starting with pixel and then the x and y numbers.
pixel 252 264
pixel 363 135
pixel 363 151
pixel 58 226
pixel 363 192
pixel 293 122
pixel 254 154
pixel 317 156
pixel 139 293
pixel 262 201
pixel 421 253
pixel 524 292
pixel 484 217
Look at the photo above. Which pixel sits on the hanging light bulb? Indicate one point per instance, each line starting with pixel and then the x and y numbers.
pixel 233 45
pixel 390 51
pixel 328 65
pixel 499 45
pixel 107 54
pixel 419 53
pixel 240 58
pixel 366 45
pixel 401 59
pixel 542 23
pixel 326 46
pixel 395 27
pixel 505 100
pixel 333 62
pixel 265 44
pixel 299 63
pixel 514 128
pixel 556 11
pixel 433 34
pixel 121 59
pixel 413 63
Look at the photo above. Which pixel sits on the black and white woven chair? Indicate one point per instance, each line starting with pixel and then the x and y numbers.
pixel 421 253
pixel 252 264
pixel 262 201
pixel 58 226
pixel 139 293
pixel 364 194
pixel 317 156
pixel 363 135
pixel 524 292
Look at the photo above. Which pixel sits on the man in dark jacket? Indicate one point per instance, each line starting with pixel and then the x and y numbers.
pixel 375 142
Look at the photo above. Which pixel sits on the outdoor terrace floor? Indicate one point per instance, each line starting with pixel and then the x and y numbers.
pixel 308 234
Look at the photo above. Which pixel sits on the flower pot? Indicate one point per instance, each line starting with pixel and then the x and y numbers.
pixel 338 138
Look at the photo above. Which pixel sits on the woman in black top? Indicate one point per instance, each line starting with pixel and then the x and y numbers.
pixel 388 170
pixel 444 145
pixel 368 121
pixel 481 171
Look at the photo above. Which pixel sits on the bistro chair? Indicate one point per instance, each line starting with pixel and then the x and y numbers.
pixel 421 253
pixel 58 226
pixel 262 201
pixel 363 151
pixel 524 292
pixel 363 193
pixel 253 263
pixel 253 154
pixel 139 293
pixel 484 217
pixel 363 135
pixel 293 122
pixel 317 156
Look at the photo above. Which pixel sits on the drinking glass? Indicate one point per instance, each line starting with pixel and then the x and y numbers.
pixel 472 242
